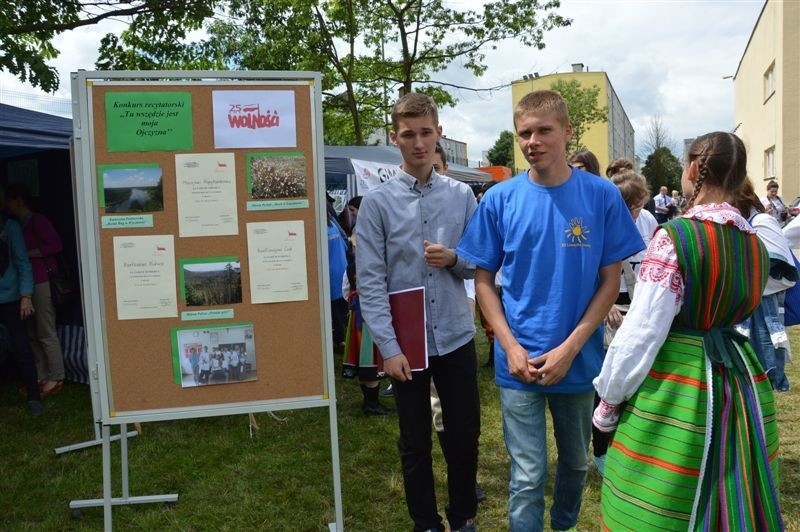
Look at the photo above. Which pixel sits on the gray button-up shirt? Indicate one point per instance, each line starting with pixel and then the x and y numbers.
pixel 393 221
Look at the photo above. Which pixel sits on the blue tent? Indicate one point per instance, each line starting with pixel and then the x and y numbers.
pixel 23 131
pixel 43 140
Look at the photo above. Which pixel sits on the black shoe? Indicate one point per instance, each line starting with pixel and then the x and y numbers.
pixel 479 493
pixel 468 526
pixel 376 409
pixel 387 392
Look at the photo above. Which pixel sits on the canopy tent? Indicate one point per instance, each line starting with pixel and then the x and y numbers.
pixel 23 132
pixel 35 150
pixel 376 163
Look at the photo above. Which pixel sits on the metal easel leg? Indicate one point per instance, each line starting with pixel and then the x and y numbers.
pixel 92 443
pixel 108 502
pixel 106 478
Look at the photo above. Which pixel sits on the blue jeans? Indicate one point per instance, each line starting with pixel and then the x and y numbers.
pixel 765 321
pixel 525 431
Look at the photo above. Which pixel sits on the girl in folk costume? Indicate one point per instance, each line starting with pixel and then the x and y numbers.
pixel 360 353
pixel 697 435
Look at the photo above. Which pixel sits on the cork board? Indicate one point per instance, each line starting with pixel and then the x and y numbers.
pixel 146 359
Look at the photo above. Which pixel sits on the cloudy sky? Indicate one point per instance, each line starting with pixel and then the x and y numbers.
pixel 665 58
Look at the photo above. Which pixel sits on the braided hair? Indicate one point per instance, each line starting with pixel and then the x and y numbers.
pixel 721 162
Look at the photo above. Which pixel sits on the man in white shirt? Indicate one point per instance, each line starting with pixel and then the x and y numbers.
pixel 663 201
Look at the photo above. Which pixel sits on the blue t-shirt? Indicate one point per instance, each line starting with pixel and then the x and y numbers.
pixel 550 243
pixel 337 260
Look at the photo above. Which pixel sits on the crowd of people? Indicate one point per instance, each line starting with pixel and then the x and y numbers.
pixel 28 247
pixel 646 325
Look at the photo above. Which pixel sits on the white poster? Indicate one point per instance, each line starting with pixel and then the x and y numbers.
pixel 254 119
pixel 277 260
pixel 370 174
pixel 144 268
pixel 206 186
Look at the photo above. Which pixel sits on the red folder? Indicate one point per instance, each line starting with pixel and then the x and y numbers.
pixel 408 319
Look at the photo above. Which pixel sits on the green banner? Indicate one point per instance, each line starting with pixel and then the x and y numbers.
pixel 149 121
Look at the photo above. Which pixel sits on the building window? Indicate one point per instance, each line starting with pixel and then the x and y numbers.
pixel 769 81
pixel 769 163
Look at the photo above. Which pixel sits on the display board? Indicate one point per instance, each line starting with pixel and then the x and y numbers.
pixel 203 243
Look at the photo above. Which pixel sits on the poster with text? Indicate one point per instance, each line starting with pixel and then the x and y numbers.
pixel 370 174
pixel 277 255
pixel 144 268
pixel 254 119
pixel 149 121
pixel 206 186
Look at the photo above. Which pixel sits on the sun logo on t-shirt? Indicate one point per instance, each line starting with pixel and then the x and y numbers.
pixel 577 232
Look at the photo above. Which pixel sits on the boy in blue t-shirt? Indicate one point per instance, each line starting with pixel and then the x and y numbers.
pixel 557 234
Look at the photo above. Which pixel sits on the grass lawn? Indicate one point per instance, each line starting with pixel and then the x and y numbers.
pixel 279 479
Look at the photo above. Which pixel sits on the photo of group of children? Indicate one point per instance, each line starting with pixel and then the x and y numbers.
pixel 214 355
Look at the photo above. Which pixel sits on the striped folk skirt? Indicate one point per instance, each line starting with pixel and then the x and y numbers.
pixel 696 446
pixel 360 352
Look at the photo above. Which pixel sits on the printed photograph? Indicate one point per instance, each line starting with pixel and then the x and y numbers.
pixel 276 176
pixel 214 355
pixel 135 188
pixel 211 281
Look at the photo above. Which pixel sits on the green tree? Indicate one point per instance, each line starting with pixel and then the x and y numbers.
pixel 27 28
pixel 192 297
pixel 502 153
pixel 584 111
pixel 366 51
pixel 662 168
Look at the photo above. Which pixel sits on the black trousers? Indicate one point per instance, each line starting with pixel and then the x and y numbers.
pixel 455 376
pixel 339 310
pixel 23 355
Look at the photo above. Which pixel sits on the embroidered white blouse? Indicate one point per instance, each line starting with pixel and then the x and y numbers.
pixel 657 300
